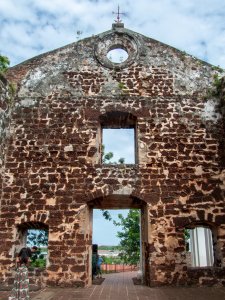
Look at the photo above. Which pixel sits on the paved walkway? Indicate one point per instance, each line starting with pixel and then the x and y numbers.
pixel 120 287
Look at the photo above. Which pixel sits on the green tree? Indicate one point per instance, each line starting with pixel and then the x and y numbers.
pixel 37 237
pixel 106 157
pixel 121 160
pixel 112 260
pixel 4 63
pixel 129 236
pixel 106 215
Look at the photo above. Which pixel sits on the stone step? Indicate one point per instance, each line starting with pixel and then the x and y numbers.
pixel 32 287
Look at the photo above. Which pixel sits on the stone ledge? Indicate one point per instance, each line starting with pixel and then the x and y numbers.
pixel 32 287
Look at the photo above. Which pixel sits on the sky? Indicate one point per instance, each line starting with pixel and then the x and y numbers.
pixel 121 143
pixel 104 232
pixel 31 27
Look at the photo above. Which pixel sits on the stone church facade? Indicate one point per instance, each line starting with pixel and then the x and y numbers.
pixel 52 174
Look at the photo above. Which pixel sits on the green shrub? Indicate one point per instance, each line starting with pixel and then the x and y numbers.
pixel 39 263
pixel 4 63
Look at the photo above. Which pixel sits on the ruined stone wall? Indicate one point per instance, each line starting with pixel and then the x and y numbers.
pixel 53 165
pixel 6 101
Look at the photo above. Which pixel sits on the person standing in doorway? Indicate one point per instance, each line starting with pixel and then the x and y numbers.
pixel 20 289
pixel 99 266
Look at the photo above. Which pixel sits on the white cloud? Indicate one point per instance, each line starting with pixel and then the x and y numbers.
pixel 33 27
pixel 16 10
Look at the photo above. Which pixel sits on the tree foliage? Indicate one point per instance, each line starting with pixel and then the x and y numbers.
pixel 129 236
pixel 112 260
pixel 37 237
pixel 4 63
pixel 106 157
pixel 121 160
pixel 106 215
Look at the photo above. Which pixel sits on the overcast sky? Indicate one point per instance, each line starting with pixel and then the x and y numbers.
pixel 32 27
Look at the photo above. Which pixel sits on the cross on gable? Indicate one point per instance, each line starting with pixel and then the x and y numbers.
pixel 118 13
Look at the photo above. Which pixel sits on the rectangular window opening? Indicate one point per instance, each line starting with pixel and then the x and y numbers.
pixel 39 238
pixel 119 146
pixel 200 247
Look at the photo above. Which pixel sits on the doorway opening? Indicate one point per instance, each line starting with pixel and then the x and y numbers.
pixel 114 218
pixel 116 242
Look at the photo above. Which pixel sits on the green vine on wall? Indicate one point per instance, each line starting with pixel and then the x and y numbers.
pixel 218 89
pixel 217 84
pixel 4 63
pixel 218 69
pixel 216 93
pixel 122 87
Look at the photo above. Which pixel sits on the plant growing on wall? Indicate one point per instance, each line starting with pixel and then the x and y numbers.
pixel 4 63
pixel 217 83
pixel 122 87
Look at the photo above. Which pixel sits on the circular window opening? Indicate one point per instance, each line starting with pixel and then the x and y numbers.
pixel 117 55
